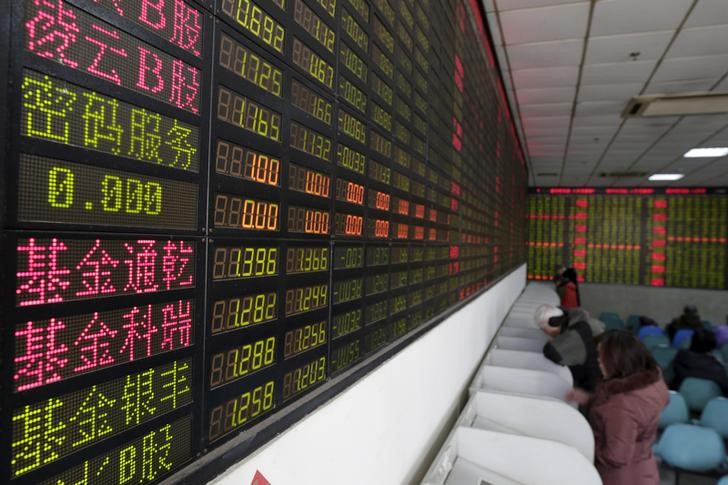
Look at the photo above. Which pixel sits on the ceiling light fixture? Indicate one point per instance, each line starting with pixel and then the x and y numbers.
pixel 707 152
pixel 662 177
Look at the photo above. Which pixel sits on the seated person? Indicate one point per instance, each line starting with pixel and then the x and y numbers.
pixel 698 361
pixel 571 342
pixel 689 319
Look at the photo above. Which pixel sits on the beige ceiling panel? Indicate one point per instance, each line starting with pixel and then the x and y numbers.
pixel 546 95
pixel 527 25
pixel 545 77
pixel 619 48
pixel 680 87
pixel 546 131
pixel 504 5
pixel 609 92
pixel 708 12
pixel 692 68
pixel 723 85
pixel 609 108
pixel 700 41
pixel 489 5
pixel 546 54
pixel 551 109
pixel 624 72
pixel 634 16
pixel 597 120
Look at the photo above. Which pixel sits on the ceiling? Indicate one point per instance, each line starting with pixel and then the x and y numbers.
pixel 571 66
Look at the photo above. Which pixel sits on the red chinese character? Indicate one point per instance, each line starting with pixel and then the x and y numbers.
pixel 185 86
pixel 141 267
pixel 176 257
pixel 111 38
pixel 41 358
pixel 52 31
pixel 176 325
pixel 142 330
pixel 116 4
pixel 95 340
pixel 96 267
pixel 43 280
pixel 187 27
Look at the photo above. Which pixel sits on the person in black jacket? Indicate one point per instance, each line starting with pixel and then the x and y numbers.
pixel 689 319
pixel 571 342
pixel 699 362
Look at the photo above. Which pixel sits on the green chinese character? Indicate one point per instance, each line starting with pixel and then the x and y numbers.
pixel 92 417
pixel 145 138
pixel 155 453
pixel 138 397
pixel 45 109
pixel 179 143
pixel 100 123
pixel 35 437
pixel 175 379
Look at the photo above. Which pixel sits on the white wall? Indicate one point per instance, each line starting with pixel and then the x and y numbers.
pixel 662 304
pixel 386 427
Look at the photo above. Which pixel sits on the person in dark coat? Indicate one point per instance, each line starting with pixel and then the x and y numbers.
pixel 624 412
pixel 567 287
pixel 688 319
pixel 698 361
pixel 571 342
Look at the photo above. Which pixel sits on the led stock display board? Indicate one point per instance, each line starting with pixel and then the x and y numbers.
pixel 211 208
pixel 674 237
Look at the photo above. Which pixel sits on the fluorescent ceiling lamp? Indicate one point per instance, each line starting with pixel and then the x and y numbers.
pixel 665 176
pixel 707 152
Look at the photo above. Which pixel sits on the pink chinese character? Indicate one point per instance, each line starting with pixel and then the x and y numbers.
pixel 40 360
pixel 185 86
pixel 138 330
pixel 96 269
pixel 112 38
pixel 95 340
pixel 141 267
pixel 42 281
pixel 116 4
pixel 176 325
pixel 52 31
pixel 176 258
pixel 187 27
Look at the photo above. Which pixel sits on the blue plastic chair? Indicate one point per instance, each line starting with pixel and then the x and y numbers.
pixel 649 330
pixel 707 325
pixel 613 324
pixel 692 448
pixel 675 412
pixel 604 316
pixel 715 416
pixel 721 335
pixel 682 338
pixel 652 341
pixel 664 357
pixel 633 322
pixel 698 392
pixel 723 481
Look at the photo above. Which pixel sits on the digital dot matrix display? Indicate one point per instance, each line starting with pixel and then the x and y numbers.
pixel 214 207
pixel 655 237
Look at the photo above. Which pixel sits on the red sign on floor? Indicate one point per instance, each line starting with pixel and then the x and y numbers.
pixel 259 479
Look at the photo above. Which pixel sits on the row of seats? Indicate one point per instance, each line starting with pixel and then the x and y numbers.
pixel 516 427
pixel 696 447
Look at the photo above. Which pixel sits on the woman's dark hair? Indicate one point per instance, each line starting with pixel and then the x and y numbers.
pixel 622 354
pixel 703 341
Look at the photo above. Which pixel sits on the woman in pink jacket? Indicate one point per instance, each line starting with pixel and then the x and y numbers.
pixel 624 411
